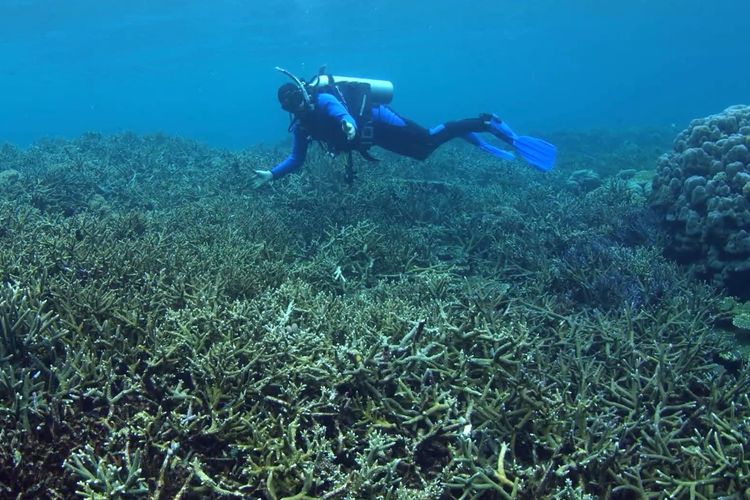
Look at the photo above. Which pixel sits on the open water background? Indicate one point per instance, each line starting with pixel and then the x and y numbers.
pixel 204 70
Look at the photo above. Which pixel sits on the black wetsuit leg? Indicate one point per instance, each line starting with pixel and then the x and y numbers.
pixel 410 139
pixel 415 141
pixel 451 130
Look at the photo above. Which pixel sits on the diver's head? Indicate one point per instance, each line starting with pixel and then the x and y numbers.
pixel 291 98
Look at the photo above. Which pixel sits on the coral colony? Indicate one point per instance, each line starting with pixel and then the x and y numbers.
pixel 453 329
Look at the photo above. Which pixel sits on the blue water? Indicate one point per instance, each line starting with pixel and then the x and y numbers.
pixel 205 69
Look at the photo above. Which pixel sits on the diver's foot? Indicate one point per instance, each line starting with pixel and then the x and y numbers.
pixel 498 128
pixel 487 117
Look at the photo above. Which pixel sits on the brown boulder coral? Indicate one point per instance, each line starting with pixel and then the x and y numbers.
pixel 702 189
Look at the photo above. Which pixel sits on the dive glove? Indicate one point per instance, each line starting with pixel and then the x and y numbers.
pixel 261 177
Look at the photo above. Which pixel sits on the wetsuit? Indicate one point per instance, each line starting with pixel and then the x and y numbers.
pixel 390 131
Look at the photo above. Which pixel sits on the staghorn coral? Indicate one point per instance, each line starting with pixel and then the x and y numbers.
pixel 583 181
pixel 203 346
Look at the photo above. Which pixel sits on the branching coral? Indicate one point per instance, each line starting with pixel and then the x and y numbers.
pixel 406 337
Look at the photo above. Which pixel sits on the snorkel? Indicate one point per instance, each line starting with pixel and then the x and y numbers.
pixel 302 87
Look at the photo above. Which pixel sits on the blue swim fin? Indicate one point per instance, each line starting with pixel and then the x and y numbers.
pixel 485 146
pixel 537 152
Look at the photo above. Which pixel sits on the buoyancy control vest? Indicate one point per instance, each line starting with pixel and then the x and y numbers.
pixel 357 95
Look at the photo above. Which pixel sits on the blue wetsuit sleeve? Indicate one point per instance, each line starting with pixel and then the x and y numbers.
pixel 333 108
pixel 384 114
pixel 297 158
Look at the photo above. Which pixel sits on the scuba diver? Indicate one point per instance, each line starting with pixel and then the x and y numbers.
pixel 347 114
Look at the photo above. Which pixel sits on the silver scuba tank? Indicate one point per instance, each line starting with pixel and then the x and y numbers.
pixel 381 91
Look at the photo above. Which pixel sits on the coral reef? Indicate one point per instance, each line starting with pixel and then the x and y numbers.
pixel 703 188
pixel 453 329
pixel 584 180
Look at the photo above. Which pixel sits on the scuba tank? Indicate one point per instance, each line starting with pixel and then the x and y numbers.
pixel 381 91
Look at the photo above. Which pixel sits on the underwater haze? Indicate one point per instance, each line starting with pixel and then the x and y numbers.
pixel 177 321
pixel 204 70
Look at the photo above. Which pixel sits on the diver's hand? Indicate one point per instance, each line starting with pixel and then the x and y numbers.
pixel 261 177
pixel 349 130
